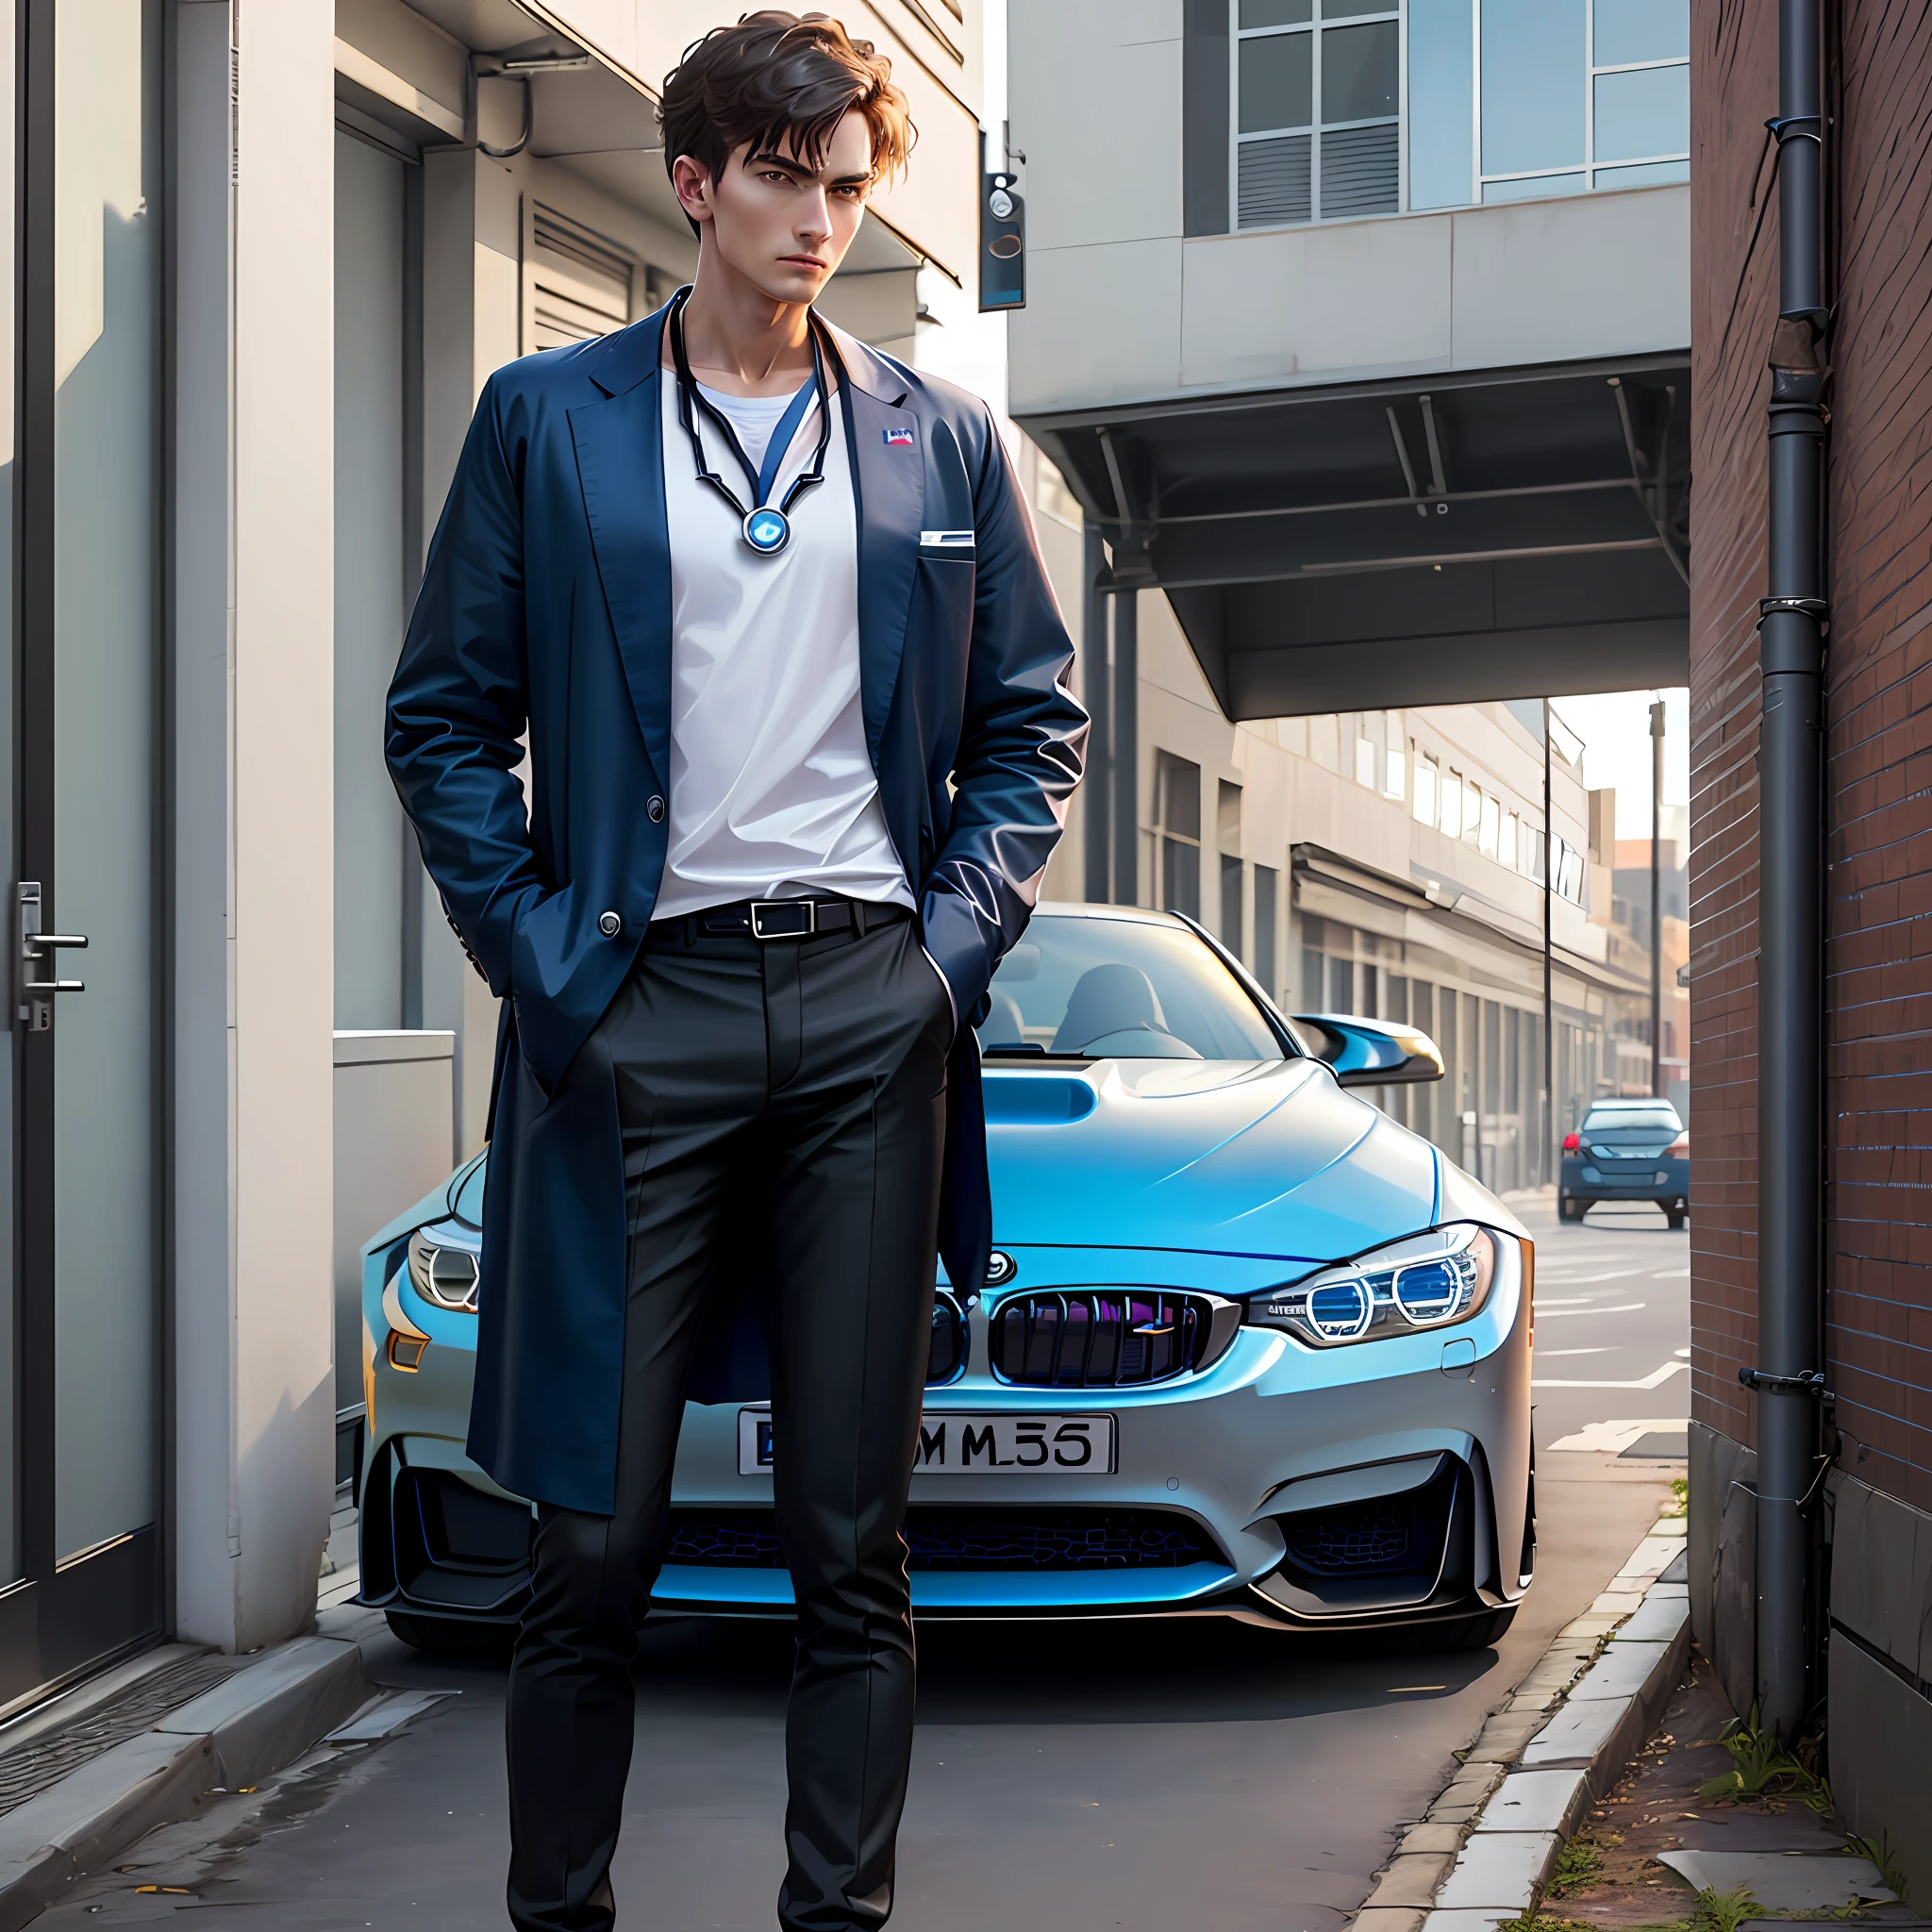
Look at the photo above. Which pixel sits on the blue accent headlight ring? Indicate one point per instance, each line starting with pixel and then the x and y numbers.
pixel 1397 1288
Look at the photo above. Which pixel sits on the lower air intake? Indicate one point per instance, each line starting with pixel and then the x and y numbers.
pixel 939 1537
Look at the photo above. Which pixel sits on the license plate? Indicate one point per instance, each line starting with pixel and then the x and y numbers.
pixel 954 1443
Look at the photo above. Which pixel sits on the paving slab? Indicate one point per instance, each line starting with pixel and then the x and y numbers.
pixel 1468 1920
pixel 1411 1880
pixel 1622 1672
pixel 1785 1881
pixel 1657 1621
pixel 1576 1734
pixel 1538 1801
pixel 1500 1867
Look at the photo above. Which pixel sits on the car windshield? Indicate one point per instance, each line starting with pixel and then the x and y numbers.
pixel 1095 986
pixel 1647 1120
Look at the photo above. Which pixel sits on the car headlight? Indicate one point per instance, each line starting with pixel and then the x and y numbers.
pixel 1428 1281
pixel 441 1274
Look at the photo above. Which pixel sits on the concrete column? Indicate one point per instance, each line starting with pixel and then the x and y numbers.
pixel 252 756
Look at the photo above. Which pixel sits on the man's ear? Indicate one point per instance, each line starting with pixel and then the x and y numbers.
pixel 692 182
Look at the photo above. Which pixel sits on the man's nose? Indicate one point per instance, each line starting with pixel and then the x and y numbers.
pixel 815 217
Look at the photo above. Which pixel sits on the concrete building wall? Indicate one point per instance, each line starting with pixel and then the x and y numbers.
pixel 1876 1533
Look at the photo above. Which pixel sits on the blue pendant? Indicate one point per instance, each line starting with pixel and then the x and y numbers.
pixel 767 531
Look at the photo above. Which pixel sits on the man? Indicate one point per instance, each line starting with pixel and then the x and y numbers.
pixel 767 607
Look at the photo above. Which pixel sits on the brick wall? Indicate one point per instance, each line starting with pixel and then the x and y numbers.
pixel 1734 295
pixel 1879 722
pixel 1879 783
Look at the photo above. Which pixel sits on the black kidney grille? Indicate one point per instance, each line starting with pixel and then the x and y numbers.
pixel 1099 1338
pixel 946 1354
pixel 941 1538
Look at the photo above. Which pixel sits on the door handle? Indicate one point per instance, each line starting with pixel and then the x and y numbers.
pixel 36 954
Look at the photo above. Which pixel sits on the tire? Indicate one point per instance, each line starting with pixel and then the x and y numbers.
pixel 1676 1216
pixel 454 1636
pixel 1570 1208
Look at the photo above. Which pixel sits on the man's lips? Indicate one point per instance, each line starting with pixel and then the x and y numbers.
pixel 802 261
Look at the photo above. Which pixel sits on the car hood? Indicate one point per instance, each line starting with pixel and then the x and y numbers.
pixel 1222 1156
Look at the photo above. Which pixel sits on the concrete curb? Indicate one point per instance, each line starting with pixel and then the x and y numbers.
pixel 260 1718
pixel 1487 1846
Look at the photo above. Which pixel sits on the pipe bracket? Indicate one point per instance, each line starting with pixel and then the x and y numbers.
pixel 1811 1383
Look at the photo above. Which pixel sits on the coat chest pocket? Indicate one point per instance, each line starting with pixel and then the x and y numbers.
pixel 945 592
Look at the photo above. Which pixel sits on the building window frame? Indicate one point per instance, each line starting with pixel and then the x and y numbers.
pixel 1584 171
pixel 1315 128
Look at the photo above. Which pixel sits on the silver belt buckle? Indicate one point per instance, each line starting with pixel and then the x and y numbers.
pixel 785 919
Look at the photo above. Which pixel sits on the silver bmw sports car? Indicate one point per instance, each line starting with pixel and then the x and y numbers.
pixel 1247 1348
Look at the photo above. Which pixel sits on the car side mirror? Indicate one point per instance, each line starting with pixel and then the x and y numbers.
pixel 1368 1053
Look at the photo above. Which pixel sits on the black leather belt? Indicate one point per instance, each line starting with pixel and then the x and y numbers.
pixel 779 919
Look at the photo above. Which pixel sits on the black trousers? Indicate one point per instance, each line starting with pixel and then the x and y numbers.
pixel 802 1080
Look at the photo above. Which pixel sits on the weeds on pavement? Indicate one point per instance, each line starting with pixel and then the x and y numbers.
pixel 1762 1768
pixel 1880 1851
pixel 1725 1912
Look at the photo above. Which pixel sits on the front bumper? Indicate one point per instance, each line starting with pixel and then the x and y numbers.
pixel 1339 1489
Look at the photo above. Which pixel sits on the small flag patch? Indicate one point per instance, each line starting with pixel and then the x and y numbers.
pixel 898 439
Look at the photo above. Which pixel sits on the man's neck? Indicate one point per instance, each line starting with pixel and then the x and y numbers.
pixel 737 339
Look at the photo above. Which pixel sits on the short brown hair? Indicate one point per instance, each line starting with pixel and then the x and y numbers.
pixel 776 76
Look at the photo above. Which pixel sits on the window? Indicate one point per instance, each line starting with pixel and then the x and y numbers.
pixel 1510 100
pixel 1489 832
pixel 1471 811
pixel 1317 128
pixel 1393 774
pixel 1365 757
pixel 1177 801
pixel 1577 94
pixel 1227 831
pixel 1511 841
pixel 1267 880
pixel 1452 805
pixel 1427 783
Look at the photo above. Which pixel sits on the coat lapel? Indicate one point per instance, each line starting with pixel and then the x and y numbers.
pixel 890 479
pixel 620 454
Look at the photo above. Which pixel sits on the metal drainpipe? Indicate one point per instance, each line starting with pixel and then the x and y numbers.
pixel 1790 939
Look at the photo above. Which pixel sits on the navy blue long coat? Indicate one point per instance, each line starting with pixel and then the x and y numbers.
pixel 545 609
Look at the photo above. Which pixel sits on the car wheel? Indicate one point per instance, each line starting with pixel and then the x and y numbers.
pixel 1571 1209
pixel 488 1644
pixel 1676 1216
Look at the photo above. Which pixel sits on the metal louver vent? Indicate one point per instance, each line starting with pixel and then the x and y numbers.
pixel 1360 171
pixel 1272 186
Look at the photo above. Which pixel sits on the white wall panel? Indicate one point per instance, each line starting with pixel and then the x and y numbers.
pixel 1293 304
pixel 1591 274
pixel 1099 324
pixel 1095 103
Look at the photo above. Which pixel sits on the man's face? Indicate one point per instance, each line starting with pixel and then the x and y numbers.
pixel 779 221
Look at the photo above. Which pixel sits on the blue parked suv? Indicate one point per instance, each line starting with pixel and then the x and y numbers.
pixel 1627 1150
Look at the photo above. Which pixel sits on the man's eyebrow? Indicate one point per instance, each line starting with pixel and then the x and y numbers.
pixel 773 159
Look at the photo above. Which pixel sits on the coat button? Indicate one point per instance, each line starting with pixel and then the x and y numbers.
pixel 655 810
pixel 609 924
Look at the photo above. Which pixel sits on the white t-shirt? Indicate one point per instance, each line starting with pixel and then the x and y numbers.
pixel 773 793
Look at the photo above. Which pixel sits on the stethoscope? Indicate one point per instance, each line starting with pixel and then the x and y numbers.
pixel 767 526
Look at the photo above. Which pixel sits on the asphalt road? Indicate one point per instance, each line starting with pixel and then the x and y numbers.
pixel 1613 1327
pixel 1081 1778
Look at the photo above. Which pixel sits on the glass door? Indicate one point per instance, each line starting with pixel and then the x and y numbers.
pixel 87 1020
